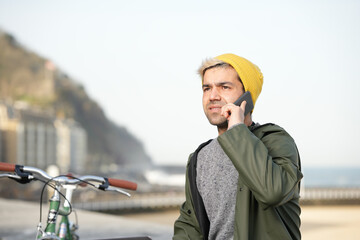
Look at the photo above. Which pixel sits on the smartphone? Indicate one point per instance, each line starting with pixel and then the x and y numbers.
pixel 249 103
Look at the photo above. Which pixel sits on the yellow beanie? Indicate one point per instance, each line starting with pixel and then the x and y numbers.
pixel 248 72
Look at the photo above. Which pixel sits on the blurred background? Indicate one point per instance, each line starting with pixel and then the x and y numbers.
pixel 111 88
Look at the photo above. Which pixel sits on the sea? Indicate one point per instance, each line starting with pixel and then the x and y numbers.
pixel 331 177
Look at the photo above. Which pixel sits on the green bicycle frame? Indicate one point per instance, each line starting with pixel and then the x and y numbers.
pixel 64 231
pixel 52 215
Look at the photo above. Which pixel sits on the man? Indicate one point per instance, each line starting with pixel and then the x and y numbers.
pixel 244 184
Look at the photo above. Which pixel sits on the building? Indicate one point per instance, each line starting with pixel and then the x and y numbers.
pixel 36 138
pixel 71 146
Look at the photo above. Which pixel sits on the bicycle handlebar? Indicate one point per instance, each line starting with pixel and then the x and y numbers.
pixel 122 184
pixel 8 167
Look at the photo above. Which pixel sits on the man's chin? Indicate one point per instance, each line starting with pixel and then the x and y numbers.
pixel 220 124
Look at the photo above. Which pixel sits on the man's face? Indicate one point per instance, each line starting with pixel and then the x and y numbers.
pixel 220 86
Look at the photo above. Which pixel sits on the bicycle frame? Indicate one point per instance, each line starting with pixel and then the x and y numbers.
pixel 65 230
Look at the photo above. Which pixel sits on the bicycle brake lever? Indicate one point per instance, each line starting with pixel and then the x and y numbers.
pixel 24 176
pixel 17 178
pixel 113 189
pixel 11 176
pixel 105 185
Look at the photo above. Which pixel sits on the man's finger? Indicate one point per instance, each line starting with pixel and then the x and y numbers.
pixel 225 111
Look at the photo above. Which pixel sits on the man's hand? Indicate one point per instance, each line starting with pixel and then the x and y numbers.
pixel 234 114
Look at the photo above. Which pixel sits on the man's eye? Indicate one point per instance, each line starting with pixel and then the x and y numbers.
pixel 225 87
pixel 206 89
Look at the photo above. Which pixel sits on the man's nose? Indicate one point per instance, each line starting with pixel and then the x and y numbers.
pixel 214 95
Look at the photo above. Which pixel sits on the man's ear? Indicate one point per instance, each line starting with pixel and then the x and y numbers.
pixel 248 119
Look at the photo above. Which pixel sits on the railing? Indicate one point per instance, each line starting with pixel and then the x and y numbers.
pixel 174 200
pixel 330 195
pixel 137 202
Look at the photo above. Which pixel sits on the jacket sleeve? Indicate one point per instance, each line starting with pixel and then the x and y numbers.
pixel 269 167
pixel 187 226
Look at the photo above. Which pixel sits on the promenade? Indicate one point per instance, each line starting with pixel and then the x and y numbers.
pixel 318 222
pixel 18 221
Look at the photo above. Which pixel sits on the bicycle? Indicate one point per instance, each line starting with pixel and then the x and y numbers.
pixel 63 229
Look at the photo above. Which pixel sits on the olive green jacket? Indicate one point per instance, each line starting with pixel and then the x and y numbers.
pixel 267 201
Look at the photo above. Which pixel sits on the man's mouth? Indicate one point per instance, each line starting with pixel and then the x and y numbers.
pixel 215 108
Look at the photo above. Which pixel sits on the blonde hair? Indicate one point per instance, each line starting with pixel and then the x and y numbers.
pixel 214 63
pixel 211 63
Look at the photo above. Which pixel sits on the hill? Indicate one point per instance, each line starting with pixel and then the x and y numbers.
pixel 26 76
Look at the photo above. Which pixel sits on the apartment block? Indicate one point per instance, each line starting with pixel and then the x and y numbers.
pixel 36 138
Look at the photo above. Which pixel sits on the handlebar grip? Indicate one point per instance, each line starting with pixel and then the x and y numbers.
pixel 7 167
pixel 122 184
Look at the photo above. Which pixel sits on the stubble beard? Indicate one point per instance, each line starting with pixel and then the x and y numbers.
pixel 219 121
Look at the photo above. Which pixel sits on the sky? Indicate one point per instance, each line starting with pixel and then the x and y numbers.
pixel 138 59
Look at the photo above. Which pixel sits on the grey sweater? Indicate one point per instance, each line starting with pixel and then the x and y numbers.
pixel 217 181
